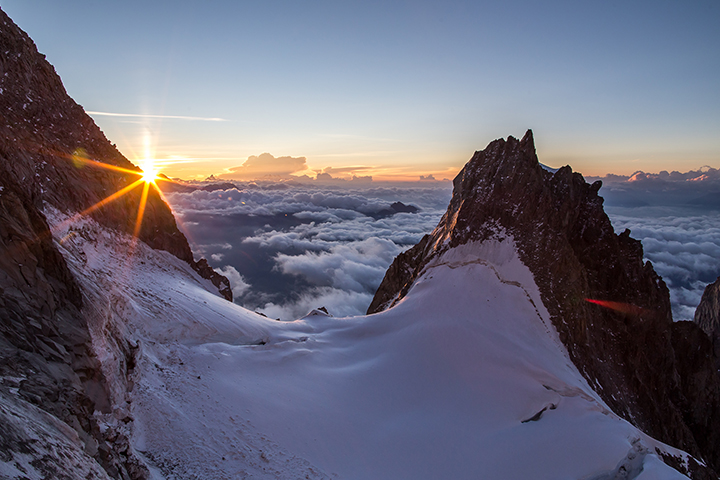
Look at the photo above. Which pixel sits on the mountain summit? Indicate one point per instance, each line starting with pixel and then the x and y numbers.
pixel 610 308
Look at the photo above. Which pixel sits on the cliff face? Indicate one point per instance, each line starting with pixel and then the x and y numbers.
pixel 625 342
pixel 707 316
pixel 47 148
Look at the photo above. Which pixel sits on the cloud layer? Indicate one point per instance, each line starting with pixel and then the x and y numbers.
pixel 288 248
pixel 684 248
pixel 699 189
pixel 302 246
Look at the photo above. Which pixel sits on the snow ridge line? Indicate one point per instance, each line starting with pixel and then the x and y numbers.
pixel 479 261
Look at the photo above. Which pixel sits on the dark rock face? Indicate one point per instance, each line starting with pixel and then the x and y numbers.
pixel 45 346
pixel 634 356
pixel 707 316
pixel 46 360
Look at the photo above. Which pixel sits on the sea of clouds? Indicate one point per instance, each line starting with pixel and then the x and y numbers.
pixel 289 248
pixel 677 218
pixel 683 246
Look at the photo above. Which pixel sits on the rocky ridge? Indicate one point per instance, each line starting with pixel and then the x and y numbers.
pixel 49 371
pixel 655 373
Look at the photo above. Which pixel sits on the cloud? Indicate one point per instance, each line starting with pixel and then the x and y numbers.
pixel 171 117
pixel 266 165
pixel 297 199
pixel 684 248
pixel 342 170
pixel 358 266
pixel 339 303
pixel 303 246
pixel 307 246
pixel 326 176
pixel 237 283
pixel 697 188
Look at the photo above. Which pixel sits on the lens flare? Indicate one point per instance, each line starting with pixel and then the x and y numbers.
pixel 625 308
pixel 148 177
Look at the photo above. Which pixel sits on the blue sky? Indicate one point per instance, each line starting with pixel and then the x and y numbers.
pixel 398 88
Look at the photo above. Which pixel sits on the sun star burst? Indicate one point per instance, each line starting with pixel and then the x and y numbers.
pixel 149 171
pixel 148 177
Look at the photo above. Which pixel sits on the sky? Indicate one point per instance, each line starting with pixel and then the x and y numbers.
pixel 389 90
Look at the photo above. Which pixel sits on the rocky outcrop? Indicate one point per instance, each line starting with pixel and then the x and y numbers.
pixel 221 282
pixel 629 352
pixel 707 316
pixel 48 150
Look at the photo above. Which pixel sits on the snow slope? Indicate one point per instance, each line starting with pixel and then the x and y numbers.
pixel 464 378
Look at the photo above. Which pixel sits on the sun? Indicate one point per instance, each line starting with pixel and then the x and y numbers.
pixel 149 171
pixel 148 177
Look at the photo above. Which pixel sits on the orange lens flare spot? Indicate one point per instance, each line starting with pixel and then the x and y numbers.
pixel 625 308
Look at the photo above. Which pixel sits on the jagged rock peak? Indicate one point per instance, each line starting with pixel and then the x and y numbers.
pixel 634 357
pixel 505 186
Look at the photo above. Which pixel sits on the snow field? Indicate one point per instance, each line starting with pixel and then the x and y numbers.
pixel 464 378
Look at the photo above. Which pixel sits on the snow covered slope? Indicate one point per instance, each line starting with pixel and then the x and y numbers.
pixel 464 378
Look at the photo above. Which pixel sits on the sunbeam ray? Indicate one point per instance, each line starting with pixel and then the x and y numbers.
pixel 141 209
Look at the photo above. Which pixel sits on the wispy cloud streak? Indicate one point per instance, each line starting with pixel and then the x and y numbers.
pixel 172 117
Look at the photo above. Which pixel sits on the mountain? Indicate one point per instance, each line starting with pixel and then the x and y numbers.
pixel 611 310
pixel 120 358
pixel 51 155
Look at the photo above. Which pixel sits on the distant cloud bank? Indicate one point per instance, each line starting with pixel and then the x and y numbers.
pixel 697 189
pixel 270 168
